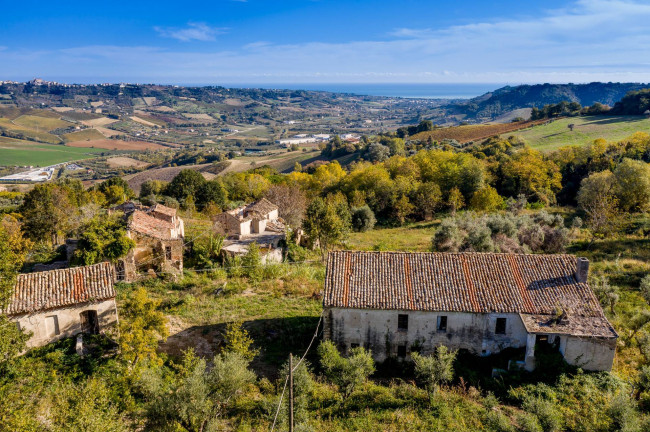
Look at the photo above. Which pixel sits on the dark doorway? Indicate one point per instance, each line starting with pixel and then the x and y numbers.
pixel 89 322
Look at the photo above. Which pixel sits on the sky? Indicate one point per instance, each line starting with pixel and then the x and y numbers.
pixel 318 41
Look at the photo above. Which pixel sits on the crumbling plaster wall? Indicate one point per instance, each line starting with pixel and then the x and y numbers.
pixel 67 321
pixel 378 331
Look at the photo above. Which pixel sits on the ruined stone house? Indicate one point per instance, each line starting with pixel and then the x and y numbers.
pixel 254 218
pixel 394 303
pixel 159 235
pixel 62 303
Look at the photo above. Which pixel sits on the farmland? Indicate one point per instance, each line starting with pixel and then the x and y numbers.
pixel 41 123
pixel 83 135
pixel 464 134
pixel 586 129
pixel 19 152
pixel 116 144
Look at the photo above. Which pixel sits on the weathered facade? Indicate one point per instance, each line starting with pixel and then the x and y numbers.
pixel 395 303
pixel 62 303
pixel 246 220
pixel 159 235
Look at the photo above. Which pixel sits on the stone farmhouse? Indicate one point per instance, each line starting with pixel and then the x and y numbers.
pixel 394 303
pixel 159 235
pixel 246 220
pixel 258 222
pixel 62 303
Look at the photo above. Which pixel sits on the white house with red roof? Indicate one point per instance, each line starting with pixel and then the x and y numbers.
pixel 394 303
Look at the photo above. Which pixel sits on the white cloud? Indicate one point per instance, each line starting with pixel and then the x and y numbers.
pixel 193 31
pixel 593 40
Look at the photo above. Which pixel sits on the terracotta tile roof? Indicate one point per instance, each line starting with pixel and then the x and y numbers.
pixel 159 208
pixel 144 223
pixel 262 206
pixel 59 288
pixel 458 282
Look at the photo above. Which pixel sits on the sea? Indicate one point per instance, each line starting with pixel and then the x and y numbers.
pixel 416 91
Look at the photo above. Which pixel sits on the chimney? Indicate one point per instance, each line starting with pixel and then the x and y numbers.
pixel 582 269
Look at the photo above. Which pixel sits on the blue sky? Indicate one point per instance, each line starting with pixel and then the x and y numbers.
pixel 265 41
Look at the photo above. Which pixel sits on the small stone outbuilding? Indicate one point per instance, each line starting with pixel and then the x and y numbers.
pixel 159 235
pixel 394 303
pixel 62 303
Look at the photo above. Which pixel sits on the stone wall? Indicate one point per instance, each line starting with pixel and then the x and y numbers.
pixel 52 325
pixel 151 254
pixel 378 330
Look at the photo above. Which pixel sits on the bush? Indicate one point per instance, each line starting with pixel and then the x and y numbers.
pixel 347 373
pixel 363 219
pixel 501 233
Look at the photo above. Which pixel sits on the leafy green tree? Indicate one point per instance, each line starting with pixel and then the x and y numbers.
pixel 597 199
pixel 195 397
pixel 528 172
pixel 212 191
pixel 102 239
pixel 13 250
pixel 116 190
pixel 46 212
pixel 402 209
pixel 252 262
pixel 427 199
pixel 377 152
pixel 327 221
pixel 348 373
pixel 435 369
pixel 152 188
pixel 632 179
pixel 239 341
pixel 363 219
pixel 186 184
pixel 455 200
pixel 85 407
pixel 486 200
pixel 142 325
pixel 303 385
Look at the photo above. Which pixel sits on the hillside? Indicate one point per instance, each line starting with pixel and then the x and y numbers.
pixel 586 129
pixel 501 101
pixel 464 134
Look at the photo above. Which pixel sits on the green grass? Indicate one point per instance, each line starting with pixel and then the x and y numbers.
pixel 586 130
pixel 83 135
pixel 415 237
pixel 41 123
pixel 42 136
pixel 19 152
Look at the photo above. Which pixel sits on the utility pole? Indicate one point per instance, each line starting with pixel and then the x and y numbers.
pixel 290 392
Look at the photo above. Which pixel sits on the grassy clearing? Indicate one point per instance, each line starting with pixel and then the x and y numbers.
pixel 415 237
pixel 83 135
pixel 586 130
pixel 45 137
pixel 20 152
pixel 41 123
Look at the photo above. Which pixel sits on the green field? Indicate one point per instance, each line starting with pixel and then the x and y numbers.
pixel 83 135
pixel 41 123
pixel 18 152
pixel 42 136
pixel 586 130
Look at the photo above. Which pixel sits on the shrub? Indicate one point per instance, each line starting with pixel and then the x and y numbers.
pixel 348 373
pixel 363 219
pixel 435 369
